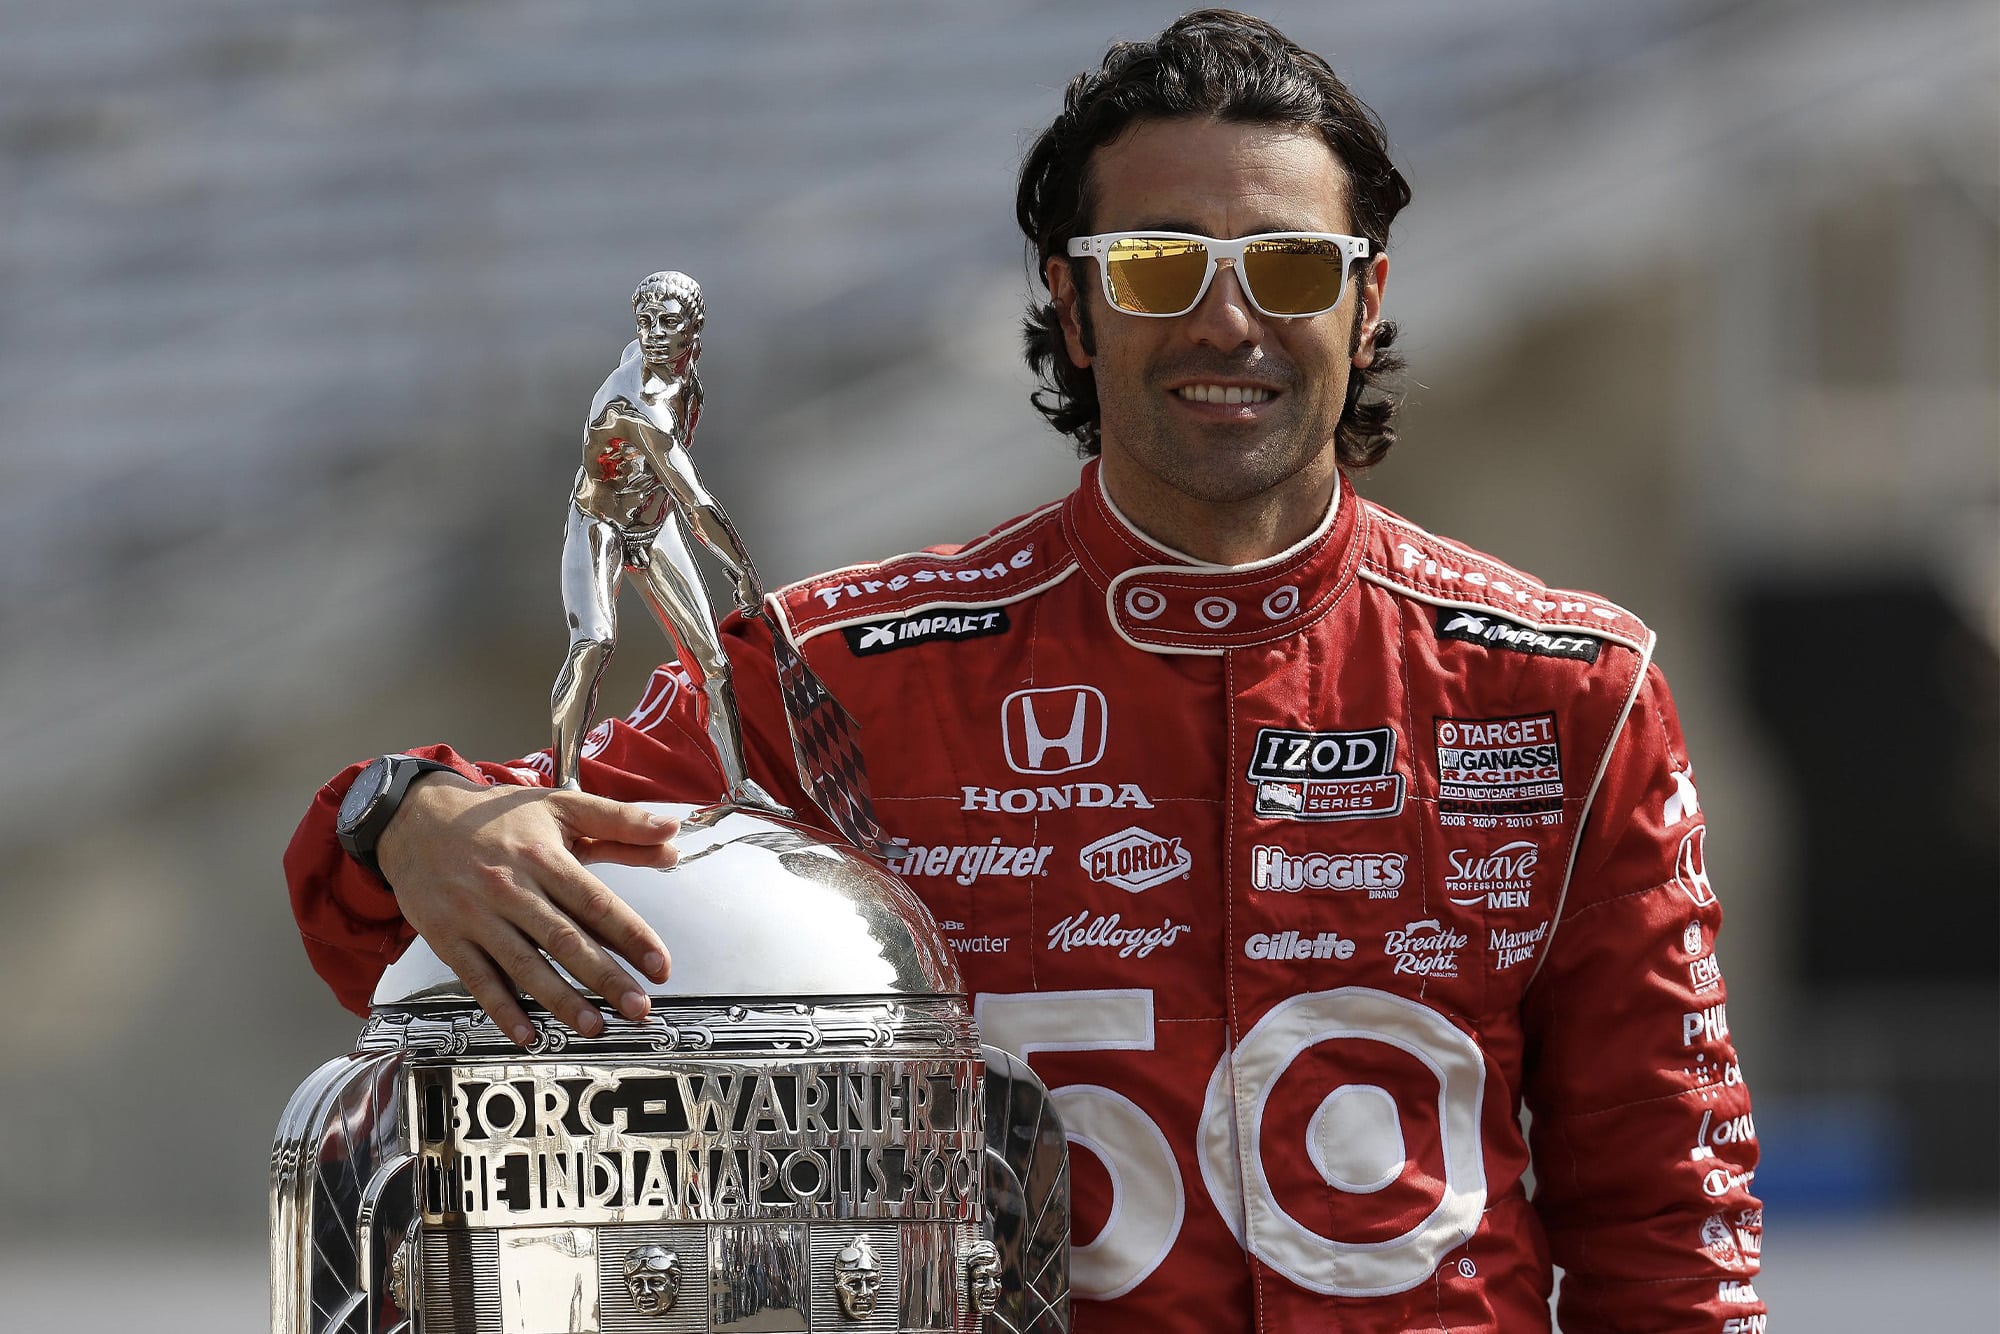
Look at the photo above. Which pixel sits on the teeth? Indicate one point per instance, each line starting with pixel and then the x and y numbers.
pixel 1215 393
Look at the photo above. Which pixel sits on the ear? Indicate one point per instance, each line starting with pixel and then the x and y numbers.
pixel 1064 293
pixel 1373 279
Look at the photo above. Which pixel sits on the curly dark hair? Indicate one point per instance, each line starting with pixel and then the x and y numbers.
pixel 1226 66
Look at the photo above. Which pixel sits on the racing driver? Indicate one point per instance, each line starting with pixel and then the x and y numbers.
pixel 1302 849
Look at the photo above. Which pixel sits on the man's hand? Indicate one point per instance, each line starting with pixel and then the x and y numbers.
pixel 490 877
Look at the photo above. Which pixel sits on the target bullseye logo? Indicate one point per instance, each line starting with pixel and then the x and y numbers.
pixel 1282 602
pixel 1355 1139
pixel 1215 612
pixel 1144 604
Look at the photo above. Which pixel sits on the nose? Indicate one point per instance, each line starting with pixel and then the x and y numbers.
pixel 1224 317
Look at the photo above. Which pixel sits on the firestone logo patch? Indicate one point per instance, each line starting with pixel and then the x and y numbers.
pixel 831 594
pixel 1325 775
pixel 1135 859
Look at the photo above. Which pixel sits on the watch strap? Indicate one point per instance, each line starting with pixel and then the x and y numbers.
pixel 360 840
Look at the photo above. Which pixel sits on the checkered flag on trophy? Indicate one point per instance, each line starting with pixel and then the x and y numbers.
pixel 826 743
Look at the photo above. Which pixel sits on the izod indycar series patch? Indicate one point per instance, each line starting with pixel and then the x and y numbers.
pixel 1325 775
pixel 1503 770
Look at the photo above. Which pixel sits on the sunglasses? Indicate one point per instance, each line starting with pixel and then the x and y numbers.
pixel 1163 274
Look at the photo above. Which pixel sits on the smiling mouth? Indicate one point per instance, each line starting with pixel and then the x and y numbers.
pixel 1229 395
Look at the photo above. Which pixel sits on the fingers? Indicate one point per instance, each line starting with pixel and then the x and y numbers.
pixel 494 993
pixel 611 821
pixel 590 913
pixel 517 957
pixel 488 877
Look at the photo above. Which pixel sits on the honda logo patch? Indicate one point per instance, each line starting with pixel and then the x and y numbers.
pixel 1054 729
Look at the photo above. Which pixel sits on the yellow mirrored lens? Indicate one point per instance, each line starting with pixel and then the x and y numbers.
pixel 1296 276
pixel 1150 276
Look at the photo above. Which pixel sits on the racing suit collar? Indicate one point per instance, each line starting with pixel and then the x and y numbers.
pixel 1166 601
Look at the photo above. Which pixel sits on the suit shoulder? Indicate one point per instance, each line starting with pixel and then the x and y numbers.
pixel 1016 560
pixel 1415 563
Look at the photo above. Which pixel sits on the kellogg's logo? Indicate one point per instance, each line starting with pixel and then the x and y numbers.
pixel 1135 859
pixel 1087 930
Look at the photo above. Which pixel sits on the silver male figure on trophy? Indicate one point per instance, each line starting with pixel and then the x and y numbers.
pixel 635 489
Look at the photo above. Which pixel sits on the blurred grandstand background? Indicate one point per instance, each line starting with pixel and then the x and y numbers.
pixel 305 300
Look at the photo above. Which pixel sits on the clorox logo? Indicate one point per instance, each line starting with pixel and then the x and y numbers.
pixel 1135 859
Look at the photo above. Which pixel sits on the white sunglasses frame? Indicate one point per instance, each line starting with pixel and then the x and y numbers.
pixel 1096 247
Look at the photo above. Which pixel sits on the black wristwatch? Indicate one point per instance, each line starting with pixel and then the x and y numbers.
pixel 371 803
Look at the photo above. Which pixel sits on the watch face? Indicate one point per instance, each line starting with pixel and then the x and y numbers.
pixel 367 786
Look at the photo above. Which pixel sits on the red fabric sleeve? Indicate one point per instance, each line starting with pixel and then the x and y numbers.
pixel 348 918
pixel 1644 1147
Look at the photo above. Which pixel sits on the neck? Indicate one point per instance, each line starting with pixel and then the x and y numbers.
pixel 675 369
pixel 1237 532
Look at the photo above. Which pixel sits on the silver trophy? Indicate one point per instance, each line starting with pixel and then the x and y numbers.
pixel 804 1134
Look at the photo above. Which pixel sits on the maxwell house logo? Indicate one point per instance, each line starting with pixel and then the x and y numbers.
pixel 1135 859
pixel 1054 729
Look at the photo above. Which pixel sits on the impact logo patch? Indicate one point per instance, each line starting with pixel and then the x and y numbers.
pixel 1483 627
pixel 1326 775
pixel 925 627
pixel 1499 766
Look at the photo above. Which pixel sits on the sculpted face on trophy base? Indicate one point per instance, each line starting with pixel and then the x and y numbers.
pixel 982 1275
pixel 857 1272
pixel 653 1278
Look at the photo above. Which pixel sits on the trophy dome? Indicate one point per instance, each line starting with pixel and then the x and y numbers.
pixel 756 907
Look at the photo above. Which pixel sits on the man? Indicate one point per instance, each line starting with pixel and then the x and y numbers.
pixel 1300 849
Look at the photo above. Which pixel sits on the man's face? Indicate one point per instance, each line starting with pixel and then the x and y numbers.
pixel 655 1281
pixel 855 1284
pixel 665 329
pixel 1226 180
pixel 985 1271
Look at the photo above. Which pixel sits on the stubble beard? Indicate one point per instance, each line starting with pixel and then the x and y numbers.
pixel 1219 463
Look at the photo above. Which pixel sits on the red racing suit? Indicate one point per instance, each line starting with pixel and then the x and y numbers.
pixel 1296 882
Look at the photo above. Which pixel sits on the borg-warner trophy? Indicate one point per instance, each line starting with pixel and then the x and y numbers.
pixel 804 1134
